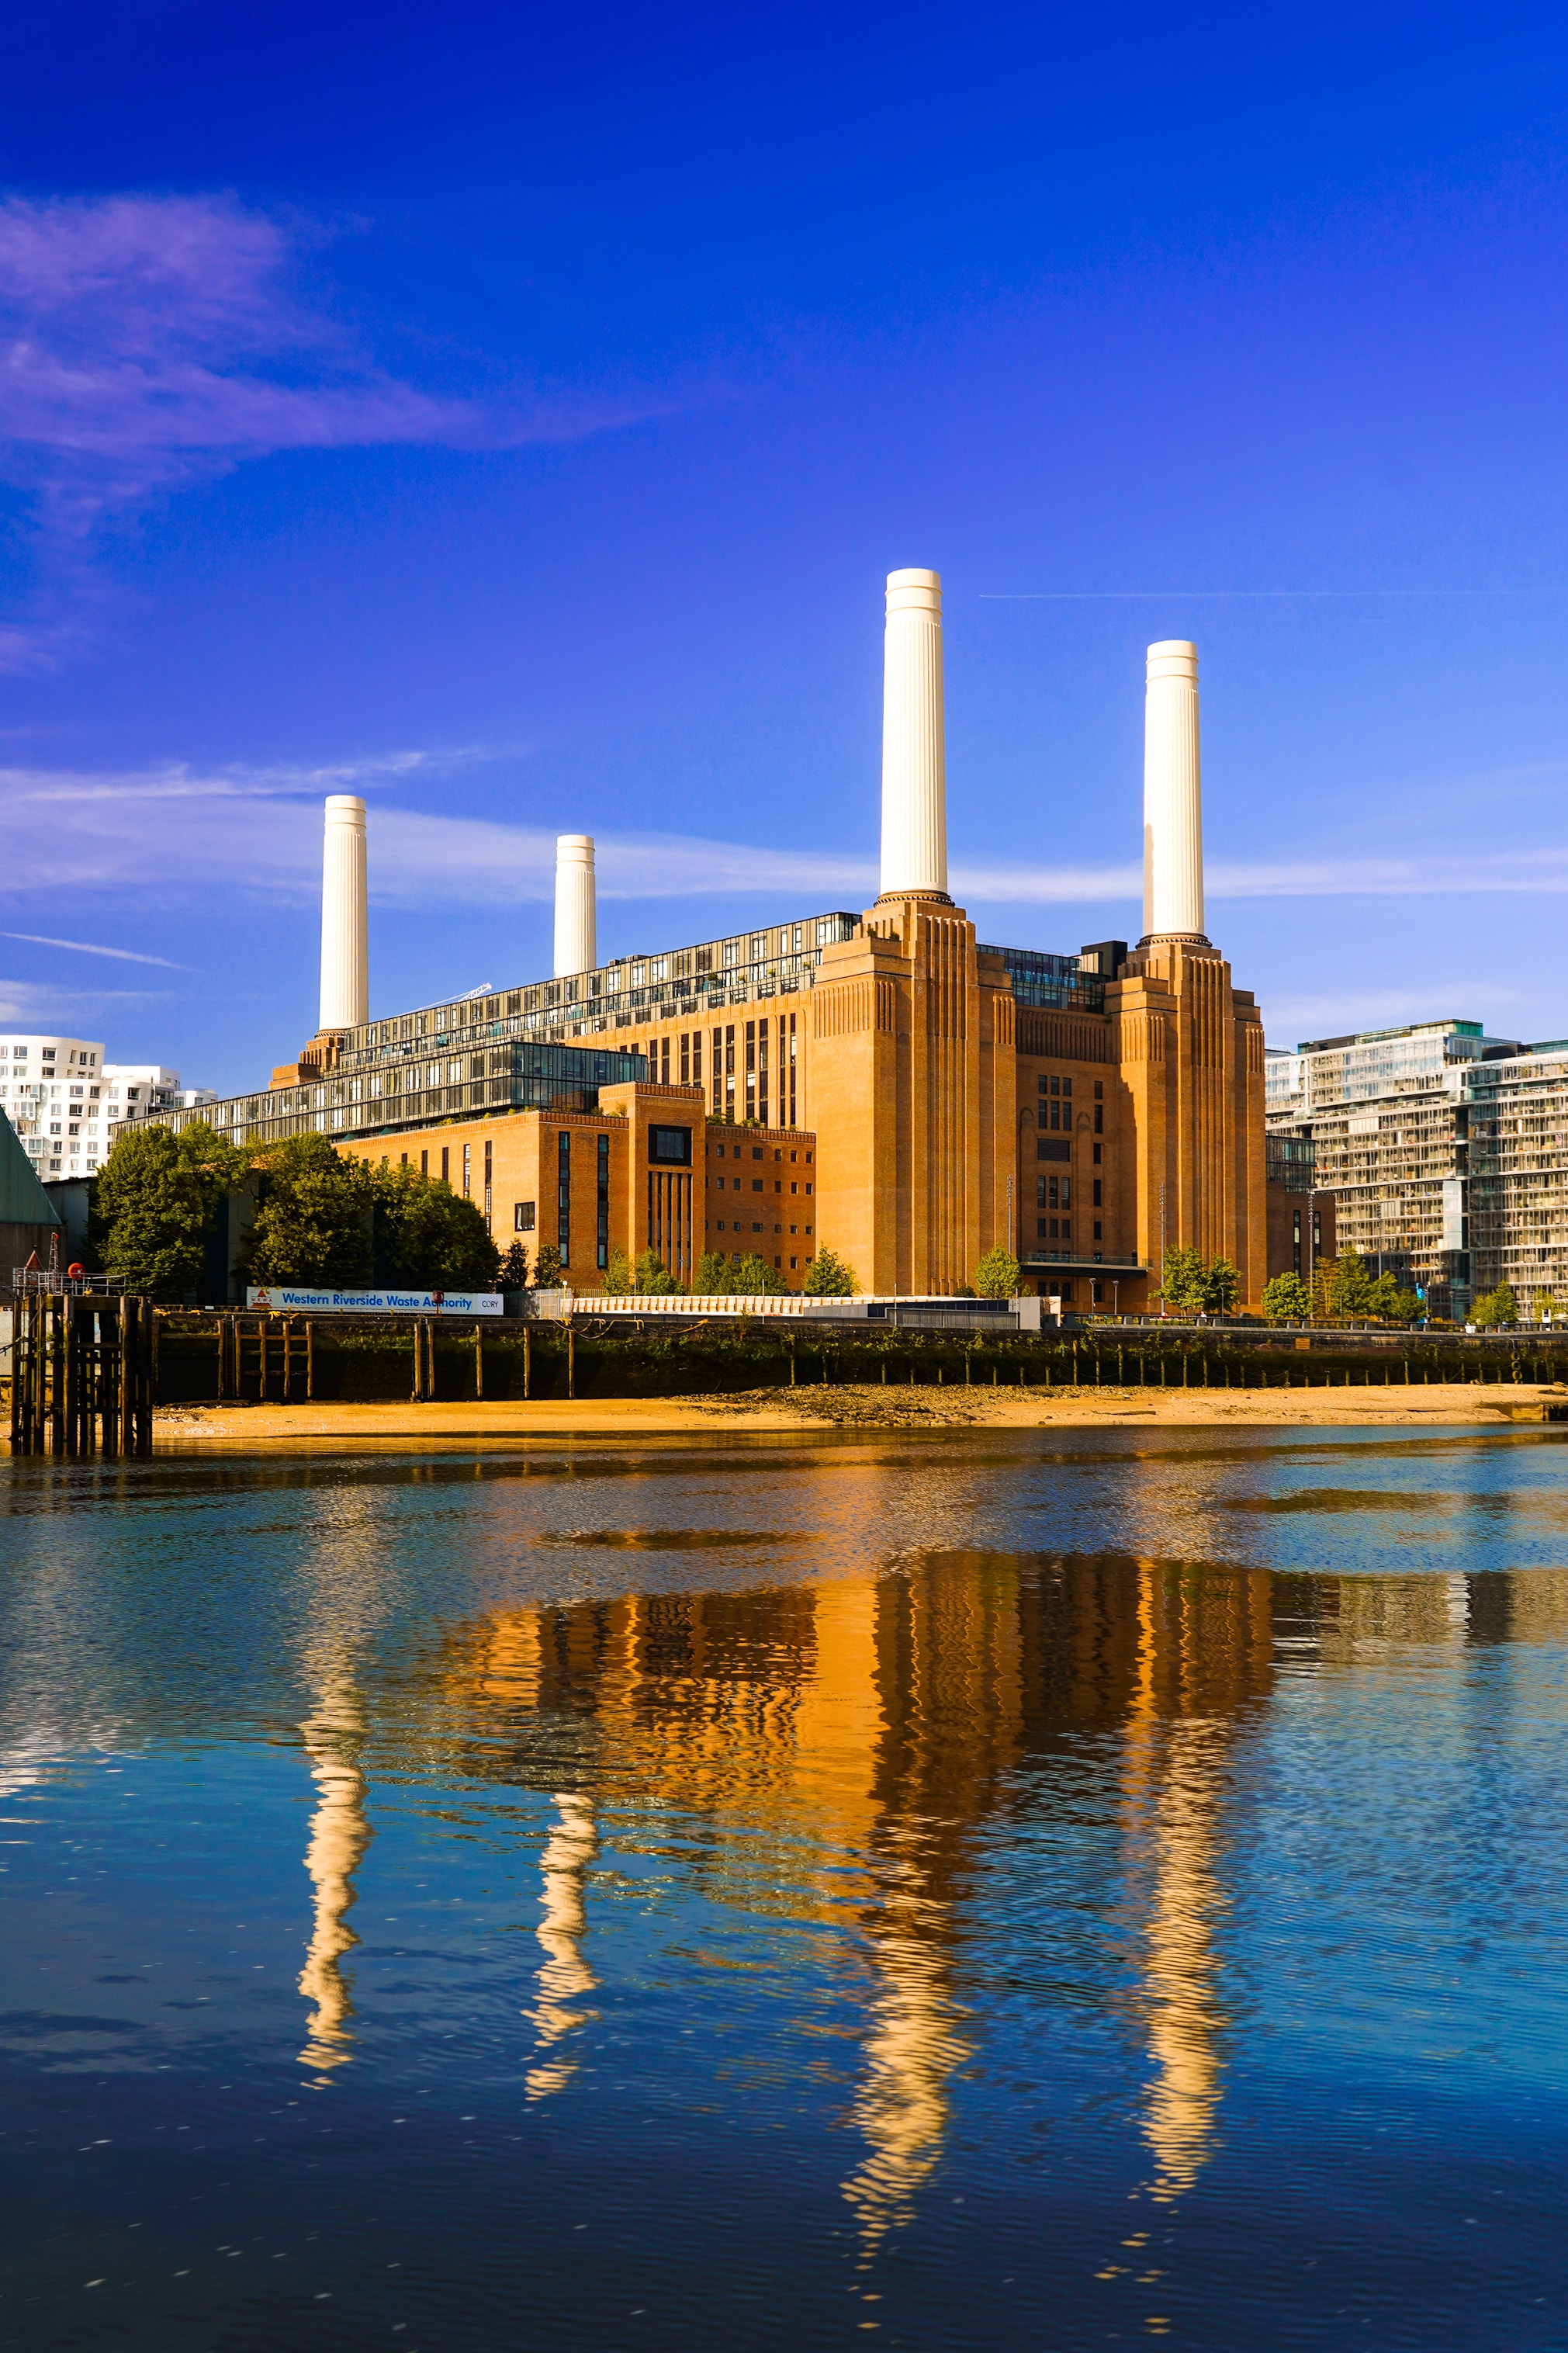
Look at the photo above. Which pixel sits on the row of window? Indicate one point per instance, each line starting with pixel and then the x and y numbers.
pixel 748 1068
pixel 1055 1105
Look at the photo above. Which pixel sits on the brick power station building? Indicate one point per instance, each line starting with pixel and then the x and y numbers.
pixel 881 1083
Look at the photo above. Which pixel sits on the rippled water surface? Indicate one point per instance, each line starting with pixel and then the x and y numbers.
pixel 970 1892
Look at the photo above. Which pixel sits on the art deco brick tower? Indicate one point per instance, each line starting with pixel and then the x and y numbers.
pixel 1189 1045
pixel 911 1037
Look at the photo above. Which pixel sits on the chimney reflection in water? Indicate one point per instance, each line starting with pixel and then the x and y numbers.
pixel 339 1835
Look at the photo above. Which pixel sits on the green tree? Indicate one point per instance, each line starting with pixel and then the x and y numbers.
pixel 1544 1307
pixel 620 1276
pixel 1498 1306
pixel 753 1276
pixel 712 1276
pixel 1184 1283
pixel 427 1238
pixel 996 1276
pixel 1222 1286
pixel 1286 1300
pixel 156 1196
pixel 1350 1285
pixel 513 1274
pixel 654 1279
pixel 316 1215
pixel 549 1274
pixel 830 1277
pixel 1392 1305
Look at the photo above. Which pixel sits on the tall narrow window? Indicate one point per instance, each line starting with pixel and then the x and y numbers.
pixel 424 1164
pixel 697 1057
pixel 666 1062
pixel 603 1203
pixel 792 1110
pixel 684 1059
pixel 446 1165
pixel 564 1195
pixel 717 1067
pixel 762 1072
pixel 467 1171
pixel 729 1072
pixel 751 1069
pixel 489 1178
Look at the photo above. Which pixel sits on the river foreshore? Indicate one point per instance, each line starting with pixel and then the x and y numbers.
pixel 894 1407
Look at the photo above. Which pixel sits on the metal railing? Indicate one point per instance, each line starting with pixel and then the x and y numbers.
pixel 54 1282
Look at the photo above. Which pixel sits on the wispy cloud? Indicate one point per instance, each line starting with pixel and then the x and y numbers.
pixel 85 947
pixel 147 341
pixel 29 1004
pixel 165 833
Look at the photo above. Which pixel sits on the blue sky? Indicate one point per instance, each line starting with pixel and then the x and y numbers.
pixel 513 417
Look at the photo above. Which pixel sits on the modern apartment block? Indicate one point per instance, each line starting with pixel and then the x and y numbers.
pixel 62 1098
pixel 1446 1152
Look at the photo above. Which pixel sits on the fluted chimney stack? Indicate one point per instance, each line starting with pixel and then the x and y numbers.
pixel 576 928
pixel 345 946
pixel 1173 796
pixel 914 751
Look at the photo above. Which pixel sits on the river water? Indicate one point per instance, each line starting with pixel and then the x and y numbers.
pixel 962 1892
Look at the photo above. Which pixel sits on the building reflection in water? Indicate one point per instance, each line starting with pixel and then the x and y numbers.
pixel 857 1742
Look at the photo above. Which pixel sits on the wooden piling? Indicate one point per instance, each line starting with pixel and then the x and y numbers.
pixel 128 1322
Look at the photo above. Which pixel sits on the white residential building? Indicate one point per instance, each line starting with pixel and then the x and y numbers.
pixel 62 1098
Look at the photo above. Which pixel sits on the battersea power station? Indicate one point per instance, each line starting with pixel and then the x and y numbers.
pixel 884 1085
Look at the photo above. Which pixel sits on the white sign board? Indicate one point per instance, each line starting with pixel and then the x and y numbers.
pixel 286 1299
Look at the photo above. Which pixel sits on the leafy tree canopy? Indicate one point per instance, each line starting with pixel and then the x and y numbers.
pixel 713 1274
pixel 1183 1283
pixel 316 1218
pixel 830 1277
pixel 1498 1306
pixel 427 1238
pixel 620 1275
pixel 753 1276
pixel 997 1274
pixel 157 1193
pixel 513 1275
pixel 1195 1285
pixel 1286 1300
pixel 654 1279
pixel 1389 1301
pixel 548 1270
pixel 1350 1285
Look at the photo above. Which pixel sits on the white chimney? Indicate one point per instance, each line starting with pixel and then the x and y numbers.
pixel 345 947
pixel 1172 798
pixel 914 753
pixel 575 949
